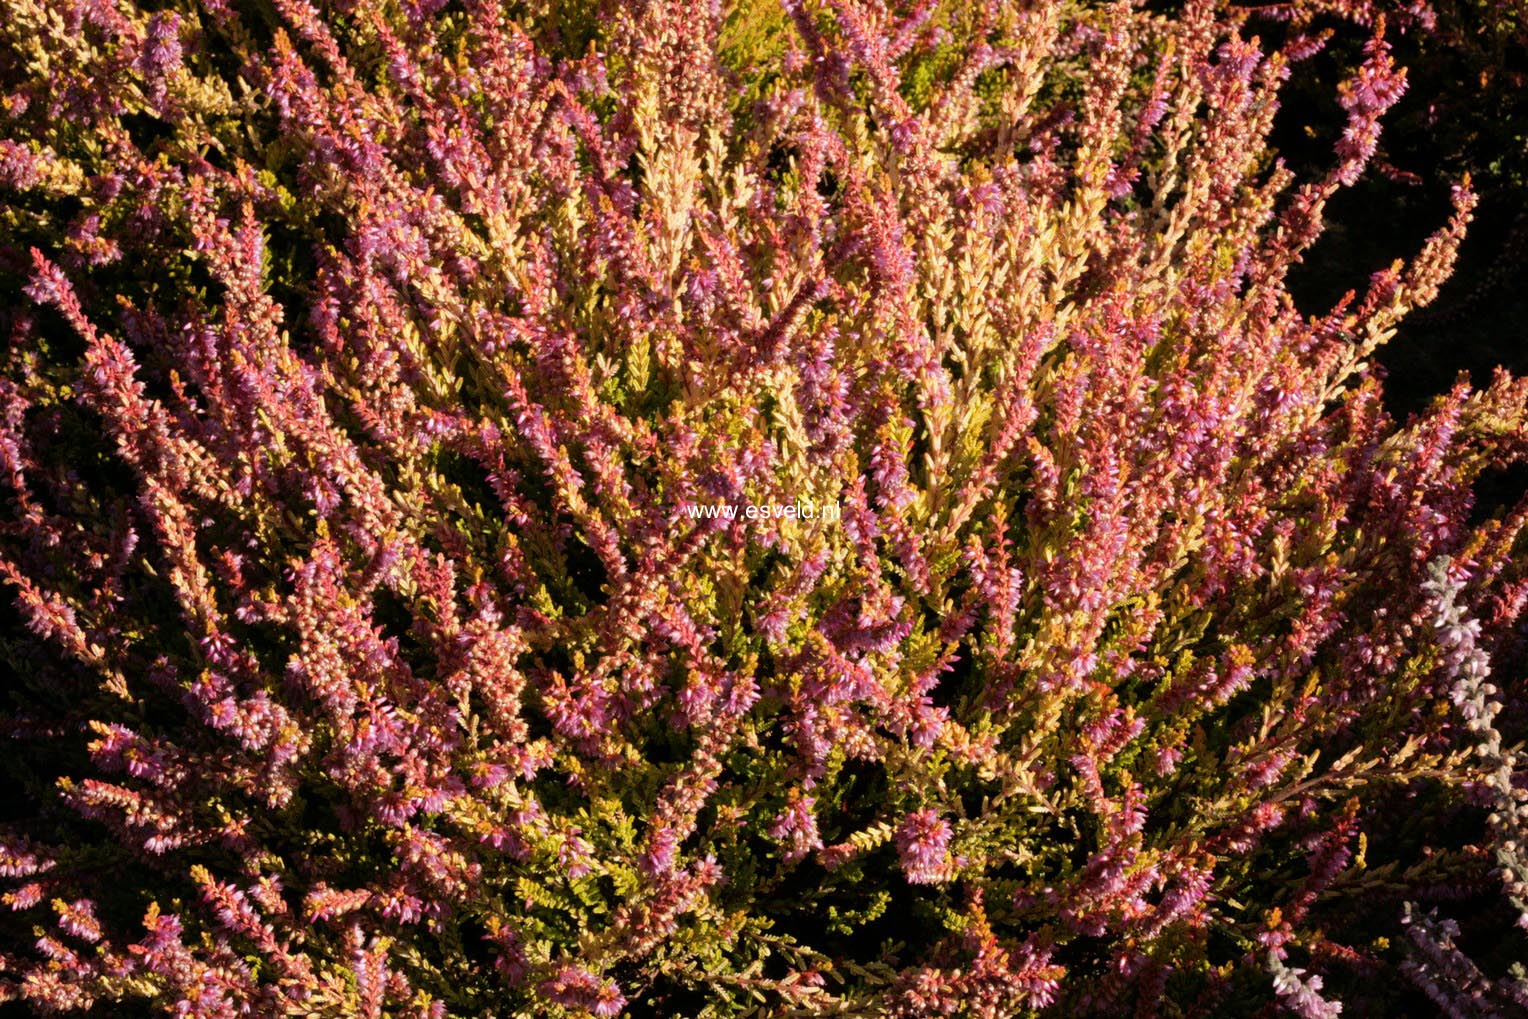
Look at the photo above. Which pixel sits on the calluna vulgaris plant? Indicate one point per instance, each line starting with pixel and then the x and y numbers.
pixel 365 368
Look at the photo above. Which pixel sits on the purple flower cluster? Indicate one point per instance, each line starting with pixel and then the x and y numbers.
pixel 364 374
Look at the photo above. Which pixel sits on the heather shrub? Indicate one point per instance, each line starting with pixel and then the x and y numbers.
pixel 375 377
